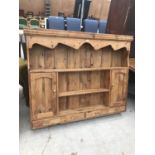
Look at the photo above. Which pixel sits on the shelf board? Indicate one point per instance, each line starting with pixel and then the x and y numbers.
pixel 82 92
pixel 83 109
pixel 75 69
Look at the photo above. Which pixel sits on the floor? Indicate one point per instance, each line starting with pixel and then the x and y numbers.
pixel 110 135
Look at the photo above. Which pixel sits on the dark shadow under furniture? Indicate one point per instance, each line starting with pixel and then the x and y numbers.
pixel 23 78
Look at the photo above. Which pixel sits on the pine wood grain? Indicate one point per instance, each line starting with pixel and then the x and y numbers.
pixel 74 78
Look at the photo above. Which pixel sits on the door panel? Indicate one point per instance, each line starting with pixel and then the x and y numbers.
pixel 119 84
pixel 43 95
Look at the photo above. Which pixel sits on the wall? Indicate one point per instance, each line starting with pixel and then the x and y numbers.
pixel 56 6
pixel 66 6
pixel 98 8
pixel 32 5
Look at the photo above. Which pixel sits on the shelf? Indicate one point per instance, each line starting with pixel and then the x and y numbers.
pixel 75 69
pixel 82 92
pixel 83 109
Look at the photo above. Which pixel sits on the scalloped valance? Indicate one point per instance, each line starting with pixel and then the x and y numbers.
pixel 52 38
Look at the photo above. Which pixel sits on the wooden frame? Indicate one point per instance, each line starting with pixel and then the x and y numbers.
pixel 132 64
pixel 76 75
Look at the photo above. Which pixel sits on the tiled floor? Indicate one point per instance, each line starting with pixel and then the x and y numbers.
pixel 110 135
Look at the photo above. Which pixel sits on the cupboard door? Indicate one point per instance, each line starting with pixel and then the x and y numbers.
pixel 43 95
pixel 119 86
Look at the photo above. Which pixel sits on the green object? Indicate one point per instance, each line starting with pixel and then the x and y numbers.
pixel 22 23
pixel 34 23
pixel 34 26
pixel 21 26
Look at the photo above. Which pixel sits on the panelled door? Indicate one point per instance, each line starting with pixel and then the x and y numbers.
pixel 43 95
pixel 119 86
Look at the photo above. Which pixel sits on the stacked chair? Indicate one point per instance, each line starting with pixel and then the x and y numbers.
pixel 95 26
pixel 34 23
pixel 102 26
pixel 73 24
pixel 55 22
pixel 22 23
pixel 90 25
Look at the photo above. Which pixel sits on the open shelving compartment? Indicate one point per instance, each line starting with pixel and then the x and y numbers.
pixel 71 60
pixel 83 90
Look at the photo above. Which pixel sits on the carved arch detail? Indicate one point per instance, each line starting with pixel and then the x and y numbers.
pixel 51 42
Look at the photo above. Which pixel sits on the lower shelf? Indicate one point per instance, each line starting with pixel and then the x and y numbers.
pixel 83 109
pixel 77 115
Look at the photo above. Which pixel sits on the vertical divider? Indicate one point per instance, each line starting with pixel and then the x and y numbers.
pixel 110 87
pixel 57 93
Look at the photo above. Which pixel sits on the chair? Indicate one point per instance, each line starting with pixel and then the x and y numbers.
pixel 90 25
pixel 102 26
pixel 55 22
pixel 34 23
pixel 22 23
pixel 73 24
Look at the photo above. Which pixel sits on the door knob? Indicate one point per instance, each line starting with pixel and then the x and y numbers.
pixel 54 90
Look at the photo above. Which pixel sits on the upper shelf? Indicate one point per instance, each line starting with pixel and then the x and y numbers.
pixel 75 69
pixel 52 38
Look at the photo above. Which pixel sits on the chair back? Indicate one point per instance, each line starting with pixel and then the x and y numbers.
pixel 55 22
pixel 34 23
pixel 22 23
pixel 102 26
pixel 90 25
pixel 73 24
